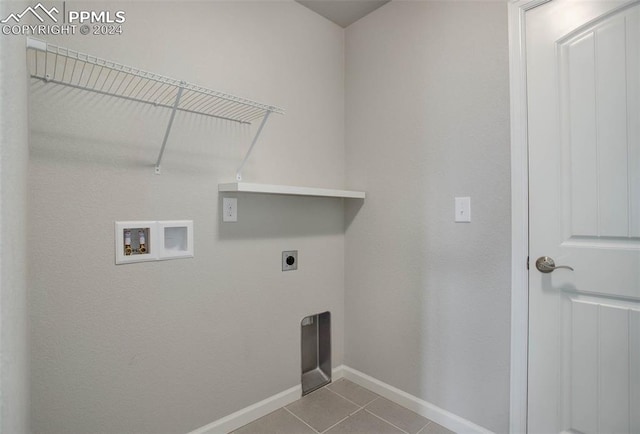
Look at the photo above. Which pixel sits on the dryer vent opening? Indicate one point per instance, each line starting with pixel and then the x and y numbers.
pixel 316 351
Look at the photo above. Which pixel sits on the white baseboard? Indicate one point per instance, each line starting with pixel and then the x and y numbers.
pixel 266 406
pixel 443 417
pixel 249 414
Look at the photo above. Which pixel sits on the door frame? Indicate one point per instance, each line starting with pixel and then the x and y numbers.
pixel 519 213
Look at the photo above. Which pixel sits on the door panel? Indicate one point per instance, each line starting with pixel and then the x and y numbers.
pixel 600 379
pixel 584 376
pixel 597 115
pixel 583 84
pixel 633 120
pixel 634 362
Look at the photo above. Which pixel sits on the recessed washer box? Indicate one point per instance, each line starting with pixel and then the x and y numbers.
pixel 136 241
pixel 143 241
pixel 176 239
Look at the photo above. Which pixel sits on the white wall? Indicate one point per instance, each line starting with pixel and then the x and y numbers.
pixel 14 340
pixel 171 346
pixel 427 300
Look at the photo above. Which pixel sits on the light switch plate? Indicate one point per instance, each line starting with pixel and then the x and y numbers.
pixel 463 210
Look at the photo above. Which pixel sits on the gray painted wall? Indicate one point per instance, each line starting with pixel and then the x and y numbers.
pixel 171 346
pixel 427 300
pixel 14 339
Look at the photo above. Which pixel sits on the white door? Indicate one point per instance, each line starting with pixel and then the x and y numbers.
pixel 583 91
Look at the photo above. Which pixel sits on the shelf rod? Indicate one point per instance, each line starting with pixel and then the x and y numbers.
pixel 166 134
pixel 253 143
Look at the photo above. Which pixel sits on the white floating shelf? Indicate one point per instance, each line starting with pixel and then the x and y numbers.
pixel 246 187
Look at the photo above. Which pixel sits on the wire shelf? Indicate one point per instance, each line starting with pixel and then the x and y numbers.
pixel 60 65
pixel 54 64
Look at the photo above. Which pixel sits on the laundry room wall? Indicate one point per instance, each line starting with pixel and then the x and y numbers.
pixel 14 329
pixel 170 346
pixel 428 300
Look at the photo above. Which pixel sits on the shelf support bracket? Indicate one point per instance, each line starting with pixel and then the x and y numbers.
pixel 253 143
pixel 166 134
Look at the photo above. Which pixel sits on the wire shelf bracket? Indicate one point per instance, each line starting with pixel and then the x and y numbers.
pixel 53 64
pixel 166 134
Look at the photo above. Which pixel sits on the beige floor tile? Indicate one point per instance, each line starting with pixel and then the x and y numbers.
pixel 278 422
pixel 352 392
pixel 363 422
pixel 399 416
pixel 322 409
pixel 434 428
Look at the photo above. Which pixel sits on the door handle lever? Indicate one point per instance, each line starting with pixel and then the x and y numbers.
pixel 545 264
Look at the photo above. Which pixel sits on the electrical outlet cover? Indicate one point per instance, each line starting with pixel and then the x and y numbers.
pixel 229 209
pixel 289 260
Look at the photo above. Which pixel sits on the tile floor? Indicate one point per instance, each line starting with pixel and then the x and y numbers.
pixel 343 407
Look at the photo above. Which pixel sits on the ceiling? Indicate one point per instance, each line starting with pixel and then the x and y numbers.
pixel 343 12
